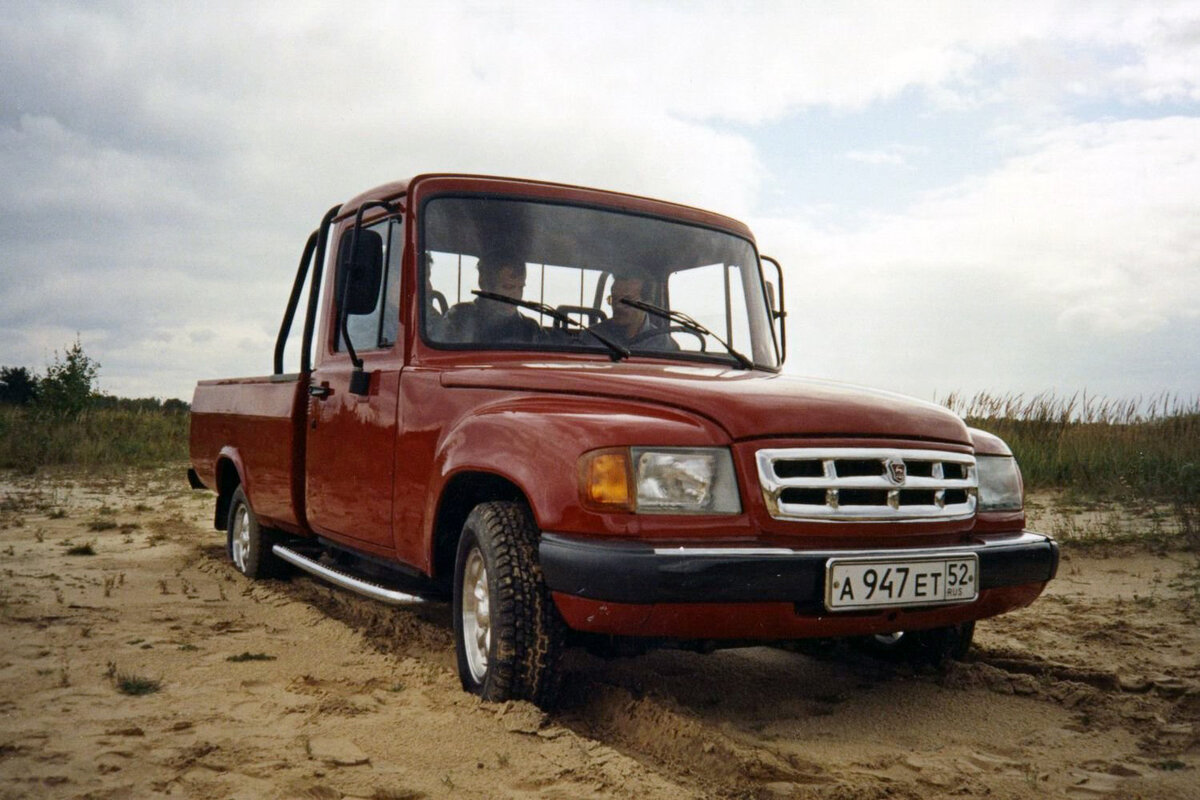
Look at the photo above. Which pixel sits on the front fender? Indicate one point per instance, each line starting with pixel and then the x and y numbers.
pixel 988 444
pixel 535 443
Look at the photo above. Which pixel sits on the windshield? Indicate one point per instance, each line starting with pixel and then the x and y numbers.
pixel 639 283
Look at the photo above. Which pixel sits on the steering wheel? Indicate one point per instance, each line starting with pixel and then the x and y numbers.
pixel 656 332
pixel 438 301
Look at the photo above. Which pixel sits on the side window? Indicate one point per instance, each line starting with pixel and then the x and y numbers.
pixel 393 250
pixel 372 325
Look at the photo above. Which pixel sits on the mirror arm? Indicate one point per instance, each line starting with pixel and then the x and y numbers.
pixel 781 314
pixel 359 381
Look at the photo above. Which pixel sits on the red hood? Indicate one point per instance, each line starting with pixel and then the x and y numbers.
pixel 747 404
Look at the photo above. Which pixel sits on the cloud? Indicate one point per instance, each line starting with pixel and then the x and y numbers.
pixel 1085 239
pixel 63 171
pixel 1096 215
pixel 164 163
pixel 895 155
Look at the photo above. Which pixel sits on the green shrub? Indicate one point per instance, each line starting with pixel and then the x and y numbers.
pixel 69 384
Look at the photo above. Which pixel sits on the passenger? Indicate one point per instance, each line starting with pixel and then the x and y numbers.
pixel 485 320
pixel 630 325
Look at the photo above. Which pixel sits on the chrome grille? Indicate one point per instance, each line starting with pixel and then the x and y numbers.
pixel 867 484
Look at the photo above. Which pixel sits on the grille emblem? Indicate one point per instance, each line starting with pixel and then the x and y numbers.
pixel 897 472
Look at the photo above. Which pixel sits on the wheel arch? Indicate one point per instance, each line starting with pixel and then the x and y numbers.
pixel 229 477
pixel 461 493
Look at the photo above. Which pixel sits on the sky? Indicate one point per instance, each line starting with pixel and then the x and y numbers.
pixel 966 197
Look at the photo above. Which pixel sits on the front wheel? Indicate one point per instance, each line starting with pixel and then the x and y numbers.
pixel 507 632
pixel 247 541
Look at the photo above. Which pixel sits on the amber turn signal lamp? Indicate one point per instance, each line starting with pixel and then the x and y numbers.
pixel 604 478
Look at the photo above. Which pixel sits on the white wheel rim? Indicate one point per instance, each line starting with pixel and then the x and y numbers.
pixel 476 615
pixel 889 639
pixel 241 537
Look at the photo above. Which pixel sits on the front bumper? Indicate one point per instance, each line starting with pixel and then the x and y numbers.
pixel 637 573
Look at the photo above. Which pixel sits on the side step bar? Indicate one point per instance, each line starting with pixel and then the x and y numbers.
pixel 342 579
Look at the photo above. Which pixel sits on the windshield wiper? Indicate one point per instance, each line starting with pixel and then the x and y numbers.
pixel 618 352
pixel 679 318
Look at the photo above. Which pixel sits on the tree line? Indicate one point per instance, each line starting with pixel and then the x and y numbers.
pixel 68 388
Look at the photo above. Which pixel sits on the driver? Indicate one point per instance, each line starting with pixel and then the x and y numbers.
pixel 485 320
pixel 630 325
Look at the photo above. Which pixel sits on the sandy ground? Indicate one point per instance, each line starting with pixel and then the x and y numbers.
pixel 294 690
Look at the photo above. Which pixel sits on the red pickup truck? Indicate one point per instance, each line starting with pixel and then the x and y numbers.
pixel 563 408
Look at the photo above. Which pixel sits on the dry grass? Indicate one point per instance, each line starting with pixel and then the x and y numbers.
pixel 30 438
pixel 1128 451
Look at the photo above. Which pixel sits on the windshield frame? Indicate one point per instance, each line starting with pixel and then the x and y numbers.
pixel 586 346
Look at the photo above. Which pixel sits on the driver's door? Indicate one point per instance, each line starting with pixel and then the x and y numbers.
pixel 351 438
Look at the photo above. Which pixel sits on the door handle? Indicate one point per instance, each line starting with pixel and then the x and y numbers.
pixel 320 392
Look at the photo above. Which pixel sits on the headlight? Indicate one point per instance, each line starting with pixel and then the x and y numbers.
pixel 660 480
pixel 1000 487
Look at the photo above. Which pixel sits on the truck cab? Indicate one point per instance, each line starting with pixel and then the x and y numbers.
pixel 564 409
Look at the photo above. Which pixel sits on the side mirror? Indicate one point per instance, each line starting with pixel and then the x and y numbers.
pixel 361 272
pixel 776 305
pixel 357 288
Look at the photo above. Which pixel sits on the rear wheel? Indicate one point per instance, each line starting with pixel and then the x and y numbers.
pixel 248 543
pixel 508 635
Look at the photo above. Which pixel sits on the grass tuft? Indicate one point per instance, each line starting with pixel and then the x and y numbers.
pixel 130 684
pixel 136 685
pixel 250 657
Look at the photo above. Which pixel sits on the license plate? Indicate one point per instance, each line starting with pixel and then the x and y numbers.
pixel 873 582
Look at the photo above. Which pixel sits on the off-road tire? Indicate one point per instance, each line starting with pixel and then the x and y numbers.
pixel 526 641
pixel 248 542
